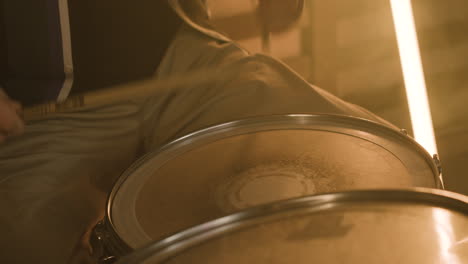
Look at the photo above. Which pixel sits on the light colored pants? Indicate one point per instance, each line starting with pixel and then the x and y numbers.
pixel 54 179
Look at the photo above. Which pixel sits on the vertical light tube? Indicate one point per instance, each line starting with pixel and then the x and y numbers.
pixel 413 74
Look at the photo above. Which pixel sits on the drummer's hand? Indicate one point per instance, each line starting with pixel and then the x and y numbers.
pixel 11 123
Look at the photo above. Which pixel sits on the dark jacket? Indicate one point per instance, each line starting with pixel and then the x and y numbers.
pixel 51 48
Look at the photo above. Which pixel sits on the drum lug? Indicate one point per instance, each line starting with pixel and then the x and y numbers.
pixel 98 243
pixel 107 260
pixel 438 164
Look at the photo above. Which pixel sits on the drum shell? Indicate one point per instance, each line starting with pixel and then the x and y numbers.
pixel 366 132
pixel 447 213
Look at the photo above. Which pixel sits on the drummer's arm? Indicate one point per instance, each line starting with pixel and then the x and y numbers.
pixel 11 123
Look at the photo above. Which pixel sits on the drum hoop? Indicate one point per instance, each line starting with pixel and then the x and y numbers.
pixel 270 122
pixel 169 247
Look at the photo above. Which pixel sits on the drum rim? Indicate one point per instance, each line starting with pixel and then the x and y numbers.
pixel 289 119
pixel 179 242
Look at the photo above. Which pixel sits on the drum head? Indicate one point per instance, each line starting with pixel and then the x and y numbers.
pixel 234 166
pixel 353 227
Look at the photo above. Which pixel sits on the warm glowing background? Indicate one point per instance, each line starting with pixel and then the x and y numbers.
pixel 350 49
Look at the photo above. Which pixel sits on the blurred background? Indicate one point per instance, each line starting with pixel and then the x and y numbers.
pixel 350 49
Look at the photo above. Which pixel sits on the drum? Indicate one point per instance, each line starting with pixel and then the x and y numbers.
pixel 232 166
pixel 374 226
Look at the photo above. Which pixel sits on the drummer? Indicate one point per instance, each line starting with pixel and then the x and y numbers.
pixel 55 173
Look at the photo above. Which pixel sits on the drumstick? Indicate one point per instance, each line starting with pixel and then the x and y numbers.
pixel 123 92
